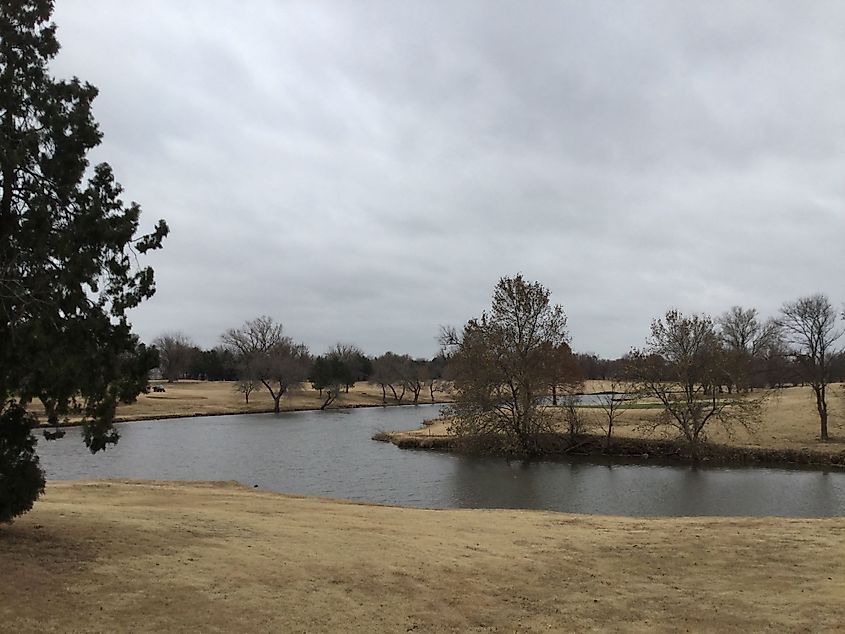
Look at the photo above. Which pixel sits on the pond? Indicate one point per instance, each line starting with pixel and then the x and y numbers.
pixel 331 454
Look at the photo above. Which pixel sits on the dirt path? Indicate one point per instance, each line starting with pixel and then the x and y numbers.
pixel 108 556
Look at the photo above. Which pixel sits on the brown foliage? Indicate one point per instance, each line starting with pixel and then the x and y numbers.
pixel 504 363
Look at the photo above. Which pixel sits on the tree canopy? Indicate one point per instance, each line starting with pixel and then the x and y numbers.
pixel 69 259
pixel 682 367
pixel 811 330
pixel 268 356
pixel 505 362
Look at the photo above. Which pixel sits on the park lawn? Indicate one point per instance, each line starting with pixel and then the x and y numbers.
pixel 159 556
pixel 188 398
pixel 206 398
pixel 789 421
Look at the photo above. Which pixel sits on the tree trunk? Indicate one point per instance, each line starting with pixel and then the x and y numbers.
pixel 7 220
pixel 693 447
pixel 823 427
pixel 527 443
pixel 398 397
pixel 821 405
pixel 276 400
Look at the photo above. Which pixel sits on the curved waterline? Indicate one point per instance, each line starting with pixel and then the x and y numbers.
pixel 331 454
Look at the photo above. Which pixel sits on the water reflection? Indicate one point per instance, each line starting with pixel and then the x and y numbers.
pixel 331 454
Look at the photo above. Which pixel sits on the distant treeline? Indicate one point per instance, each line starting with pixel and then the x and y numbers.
pixel 187 361
pixel 258 354
pixel 345 365
pixel 748 353
pixel 181 359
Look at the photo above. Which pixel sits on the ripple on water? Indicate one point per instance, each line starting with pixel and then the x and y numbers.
pixel 331 454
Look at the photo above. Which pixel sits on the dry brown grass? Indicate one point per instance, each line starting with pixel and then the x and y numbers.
pixel 110 556
pixel 205 398
pixel 186 398
pixel 789 421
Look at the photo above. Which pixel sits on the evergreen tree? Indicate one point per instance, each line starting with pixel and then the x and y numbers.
pixel 321 374
pixel 69 267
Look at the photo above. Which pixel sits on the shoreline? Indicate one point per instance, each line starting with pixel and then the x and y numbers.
pixel 654 451
pixel 148 417
pixel 787 435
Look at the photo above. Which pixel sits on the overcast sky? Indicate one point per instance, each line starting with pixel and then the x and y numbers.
pixel 365 171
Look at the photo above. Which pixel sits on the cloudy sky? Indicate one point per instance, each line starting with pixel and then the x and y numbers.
pixel 365 171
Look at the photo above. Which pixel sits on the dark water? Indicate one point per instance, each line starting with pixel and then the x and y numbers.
pixel 331 454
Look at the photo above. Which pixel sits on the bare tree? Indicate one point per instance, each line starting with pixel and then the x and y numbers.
pixel 381 376
pixel 398 393
pixel 268 356
pixel 778 367
pixel 576 423
pixel 433 375
pixel 413 376
pixel 810 328
pixel 500 363
pixel 388 372
pixel 175 353
pixel 612 405
pixel 746 340
pixel 246 387
pixel 681 367
pixel 331 395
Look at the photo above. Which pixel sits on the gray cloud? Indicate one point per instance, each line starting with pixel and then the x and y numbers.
pixel 366 171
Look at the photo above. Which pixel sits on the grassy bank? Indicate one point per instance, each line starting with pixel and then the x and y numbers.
pixel 787 433
pixel 211 398
pixel 626 447
pixel 217 557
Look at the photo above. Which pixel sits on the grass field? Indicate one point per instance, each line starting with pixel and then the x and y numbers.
pixel 789 421
pixel 108 556
pixel 199 398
